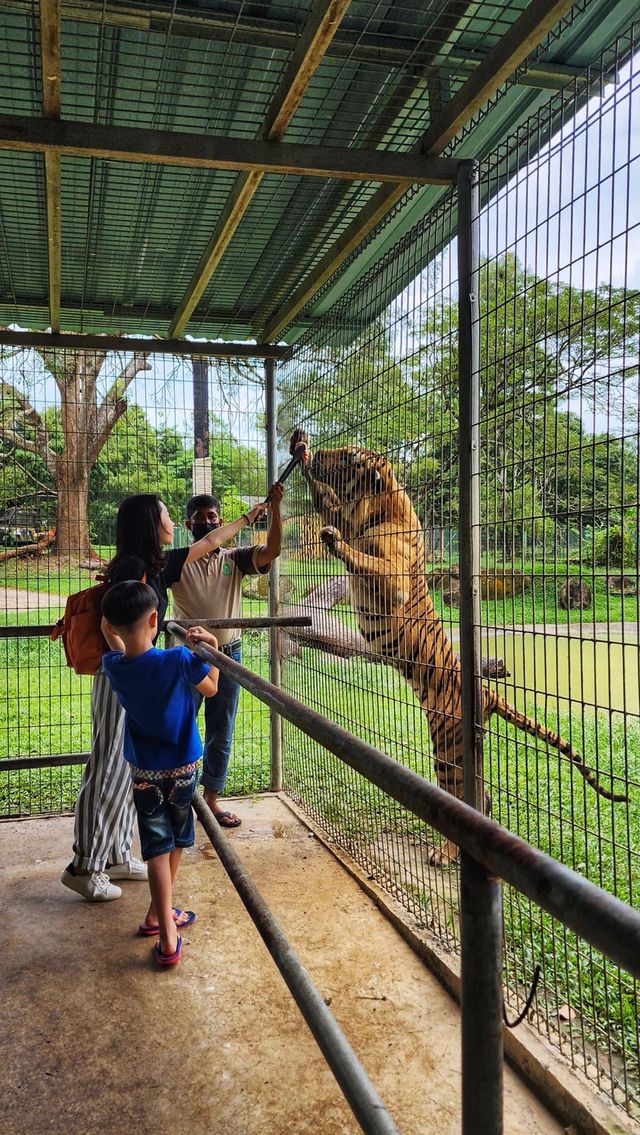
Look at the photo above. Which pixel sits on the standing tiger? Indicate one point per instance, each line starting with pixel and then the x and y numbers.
pixel 371 525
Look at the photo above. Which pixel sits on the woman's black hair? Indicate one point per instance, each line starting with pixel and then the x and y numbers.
pixel 137 532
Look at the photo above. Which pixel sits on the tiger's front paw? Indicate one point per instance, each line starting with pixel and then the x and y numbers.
pixel 331 538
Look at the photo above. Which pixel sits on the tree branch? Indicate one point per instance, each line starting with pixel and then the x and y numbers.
pixel 39 445
pixel 114 404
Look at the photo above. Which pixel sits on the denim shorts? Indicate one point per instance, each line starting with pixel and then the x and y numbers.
pixel 163 807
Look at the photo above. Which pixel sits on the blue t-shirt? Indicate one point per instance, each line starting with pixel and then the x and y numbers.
pixel 155 690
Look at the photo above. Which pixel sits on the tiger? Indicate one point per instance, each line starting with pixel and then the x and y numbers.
pixel 371 525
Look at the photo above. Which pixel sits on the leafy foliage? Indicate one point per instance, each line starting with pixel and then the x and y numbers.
pixel 547 351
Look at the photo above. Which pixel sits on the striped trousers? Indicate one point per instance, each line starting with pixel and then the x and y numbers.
pixel 104 809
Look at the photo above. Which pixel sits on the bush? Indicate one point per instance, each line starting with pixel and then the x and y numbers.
pixel 614 547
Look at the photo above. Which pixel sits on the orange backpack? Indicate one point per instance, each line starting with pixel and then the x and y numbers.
pixel 83 641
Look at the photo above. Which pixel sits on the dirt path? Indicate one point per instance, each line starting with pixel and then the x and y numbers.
pixel 13 599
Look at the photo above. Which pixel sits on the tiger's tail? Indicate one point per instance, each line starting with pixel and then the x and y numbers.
pixel 495 703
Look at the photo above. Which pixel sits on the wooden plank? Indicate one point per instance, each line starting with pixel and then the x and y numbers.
pixel 54 235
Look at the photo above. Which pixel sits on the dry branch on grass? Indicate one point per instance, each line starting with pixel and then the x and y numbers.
pixel 43 543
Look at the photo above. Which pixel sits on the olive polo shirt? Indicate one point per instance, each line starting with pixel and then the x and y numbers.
pixel 211 587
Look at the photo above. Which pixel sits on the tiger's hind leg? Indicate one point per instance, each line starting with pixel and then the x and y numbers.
pixel 450 779
pixel 448 853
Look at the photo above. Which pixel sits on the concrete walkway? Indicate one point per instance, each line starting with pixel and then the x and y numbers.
pixel 96 1040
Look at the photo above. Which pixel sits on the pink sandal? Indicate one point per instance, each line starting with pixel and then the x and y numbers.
pixel 168 959
pixel 182 919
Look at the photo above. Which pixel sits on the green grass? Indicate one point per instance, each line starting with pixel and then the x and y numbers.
pixel 539 604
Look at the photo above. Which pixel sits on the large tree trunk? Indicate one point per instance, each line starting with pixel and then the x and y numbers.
pixel 72 521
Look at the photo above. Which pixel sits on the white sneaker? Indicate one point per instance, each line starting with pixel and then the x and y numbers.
pixel 95 887
pixel 134 869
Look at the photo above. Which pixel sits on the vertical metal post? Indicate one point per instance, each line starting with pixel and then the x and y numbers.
pixel 481 894
pixel 201 475
pixel 271 407
pixel 200 365
pixel 481 999
pixel 469 450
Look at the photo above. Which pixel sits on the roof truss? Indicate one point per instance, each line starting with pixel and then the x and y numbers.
pixel 205 151
pixel 412 73
pixel 527 31
pixel 320 29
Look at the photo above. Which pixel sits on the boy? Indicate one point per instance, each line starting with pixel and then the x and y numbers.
pixel 161 743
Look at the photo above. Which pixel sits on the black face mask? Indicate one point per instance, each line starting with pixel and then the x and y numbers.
pixel 200 530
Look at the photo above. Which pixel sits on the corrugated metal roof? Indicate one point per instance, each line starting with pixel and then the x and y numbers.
pixel 134 237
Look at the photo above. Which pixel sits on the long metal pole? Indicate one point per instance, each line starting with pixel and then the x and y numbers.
pixel 604 921
pixel 469 480
pixel 480 893
pixel 200 367
pixel 275 724
pixel 367 1106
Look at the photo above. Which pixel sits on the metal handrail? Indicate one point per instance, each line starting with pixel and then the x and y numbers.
pixel 367 1106
pixel 600 918
pixel 488 853
pixel 251 622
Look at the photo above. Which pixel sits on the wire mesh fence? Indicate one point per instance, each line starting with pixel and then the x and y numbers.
pixel 79 431
pixel 560 463
pixel 560 459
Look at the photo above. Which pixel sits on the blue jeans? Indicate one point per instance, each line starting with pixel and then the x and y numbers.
pixel 220 714
pixel 165 816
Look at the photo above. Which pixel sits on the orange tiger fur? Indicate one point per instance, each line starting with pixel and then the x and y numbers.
pixel 371 525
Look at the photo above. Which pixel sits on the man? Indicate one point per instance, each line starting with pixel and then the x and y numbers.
pixel 210 588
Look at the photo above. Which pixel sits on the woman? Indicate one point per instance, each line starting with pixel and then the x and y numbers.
pixel 104 809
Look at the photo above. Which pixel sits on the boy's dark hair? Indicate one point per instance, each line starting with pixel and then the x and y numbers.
pixel 203 500
pixel 127 602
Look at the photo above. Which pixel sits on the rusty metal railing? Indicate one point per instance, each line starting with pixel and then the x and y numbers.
pixel 489 853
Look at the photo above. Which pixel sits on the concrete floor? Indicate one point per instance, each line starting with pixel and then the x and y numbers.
pixel 96 1039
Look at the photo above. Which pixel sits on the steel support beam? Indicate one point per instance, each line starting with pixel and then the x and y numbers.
pixel 481 929
pixel 469 479
pixel 45 339
pixel 367 1106
pixel 607 923
pixel 51 103
pixel 308 54
pixel 481 995
pixel 206 151
pixel 527 31
pixel 275 722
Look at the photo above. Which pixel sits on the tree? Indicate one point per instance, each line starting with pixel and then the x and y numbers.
pixel 138 458
pixel 544 346
pixel 86 421
pixel 359 394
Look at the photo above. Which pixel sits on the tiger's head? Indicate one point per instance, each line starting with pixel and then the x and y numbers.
pixel 354 474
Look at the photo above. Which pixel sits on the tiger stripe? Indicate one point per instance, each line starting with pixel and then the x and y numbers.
pixel 372 526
